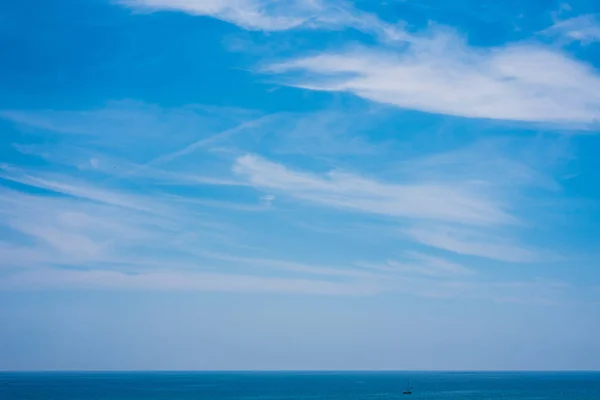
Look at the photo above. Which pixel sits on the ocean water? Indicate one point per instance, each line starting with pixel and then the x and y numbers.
pixel 297 385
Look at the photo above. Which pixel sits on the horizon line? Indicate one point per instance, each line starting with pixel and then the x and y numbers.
pixel 299 370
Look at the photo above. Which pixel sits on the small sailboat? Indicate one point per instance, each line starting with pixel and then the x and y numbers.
pixel 408 389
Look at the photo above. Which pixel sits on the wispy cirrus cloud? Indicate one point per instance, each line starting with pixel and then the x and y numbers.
pixel 126 139
pixel 526 292
pixel 72 243
pixel 66 243
pixel 268 15
pixel 584 29
pixel 415 263
pixel 506 163
pixel 448 208
pixel 472 242
pixel 134 218
pixel 249 14
pixel 442 74
pixel 83 244
pixel 74 225
pixel 71 187
pixel 345 190
pixel 469 201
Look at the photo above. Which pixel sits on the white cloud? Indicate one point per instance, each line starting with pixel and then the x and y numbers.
pixel 74 231
pixel 71 232
pixel 258 264
pixel 584 29
pixel 442 74
pixel 469 201
pixel 124 247
pixel 81 190
pixel 249 14
pixel 502 163
pixel 106 247
pixel 103 246
pixel 338 189
pixel 421 264
pixel 538 292
pixel 473 243
pixel 161 216
pixel 269 15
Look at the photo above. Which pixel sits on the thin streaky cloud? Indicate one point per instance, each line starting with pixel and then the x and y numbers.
pixel 115 168
pixel 79 189
pixel 283 265
pixel 110 228
pixel 584 29
pixel 415 263
pixel 266 15
pixel 444 75
pixel 202 143
pixel 344 190
pixel 522 292
pixel 472 242
pixel 506 163
pixel 248 14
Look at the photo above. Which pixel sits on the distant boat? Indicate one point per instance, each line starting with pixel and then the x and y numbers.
pixel 408 389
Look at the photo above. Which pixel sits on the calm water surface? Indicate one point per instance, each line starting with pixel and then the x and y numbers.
pixel 297 385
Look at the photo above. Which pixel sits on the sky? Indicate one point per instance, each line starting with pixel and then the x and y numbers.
pixel 299 185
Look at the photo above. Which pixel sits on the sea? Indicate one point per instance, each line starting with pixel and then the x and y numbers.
pixel 298 385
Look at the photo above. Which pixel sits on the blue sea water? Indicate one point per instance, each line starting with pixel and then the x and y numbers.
pixel 297 385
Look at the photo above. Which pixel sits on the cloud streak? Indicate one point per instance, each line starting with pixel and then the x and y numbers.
pixel 584 29
pixel 473 243
pixel 467 201
pixel 91 213
pixel 524 292
pixel 339 189
pixel 423 265
pixel 443 75
pixel 268 15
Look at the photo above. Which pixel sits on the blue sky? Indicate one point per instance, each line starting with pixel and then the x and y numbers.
pixel 303 184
